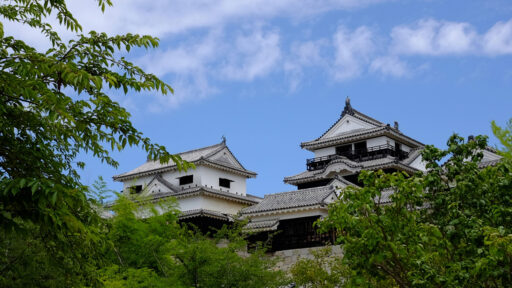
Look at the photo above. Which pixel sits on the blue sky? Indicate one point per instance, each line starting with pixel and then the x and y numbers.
pixel 271 74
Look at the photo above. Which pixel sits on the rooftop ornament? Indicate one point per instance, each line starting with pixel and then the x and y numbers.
pixel 348 108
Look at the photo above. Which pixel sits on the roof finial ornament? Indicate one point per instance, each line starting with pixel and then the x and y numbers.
pixel 223 139
pixel 348 108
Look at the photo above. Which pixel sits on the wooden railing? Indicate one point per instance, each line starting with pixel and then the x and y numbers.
pixel 357 155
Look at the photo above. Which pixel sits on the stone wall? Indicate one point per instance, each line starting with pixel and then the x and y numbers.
pixel 287 258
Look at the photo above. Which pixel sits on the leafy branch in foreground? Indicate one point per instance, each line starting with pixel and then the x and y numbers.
pixel 54 106
pixel 449 227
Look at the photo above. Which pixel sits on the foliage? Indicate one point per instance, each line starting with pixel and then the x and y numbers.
pixel 54 106
pixel 99 191
pixel 449 227
pixel 504 135
pixel 158 250
pixel 322 271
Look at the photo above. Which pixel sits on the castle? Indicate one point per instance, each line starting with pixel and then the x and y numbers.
pixel 215 193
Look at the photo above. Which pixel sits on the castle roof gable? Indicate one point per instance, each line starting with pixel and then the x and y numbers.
pixel 218 156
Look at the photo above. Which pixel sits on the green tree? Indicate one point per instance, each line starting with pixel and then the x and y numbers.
pixel 321 271
pixel 99 191
pixel 504 135
pixel 157 249
pixel 449 227
pixel 54 105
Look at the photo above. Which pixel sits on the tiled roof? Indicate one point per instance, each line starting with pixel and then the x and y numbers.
pixel 484 164
pixel 197 156
pixel 204 212
pixel 381 163
pixel 292 199
pixel 199 190
pixel 360 134
pixel 259 226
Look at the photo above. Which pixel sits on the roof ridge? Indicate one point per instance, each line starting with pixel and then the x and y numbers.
pixel 312 189
pixel 355 132
pixel 202 148
pixel 232 154
pixel 368 117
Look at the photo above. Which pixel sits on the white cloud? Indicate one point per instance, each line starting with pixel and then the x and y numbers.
pixel 498 40
pixel 196 63
pixel 251 56
pixel 352 51
pixel 389 65
pixel 186 89
pixel 189 57
pixel 161 17
pixel 436 38
pixel 432 37
pixel 301 55
pixel 244 57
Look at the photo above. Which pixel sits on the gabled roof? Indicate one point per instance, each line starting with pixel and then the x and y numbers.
pixel 349 111
pixel 260 226
pixel 293 199
pixel 372 128
pixel 205 213
pixel 341 163
pixel 218 156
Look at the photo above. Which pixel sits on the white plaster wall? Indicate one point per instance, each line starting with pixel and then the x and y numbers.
pixel 348 123
pixel 209 203
pixel 190 203
pixel 210 177
pixel 325 151
pixel 221 205
pixel 419 164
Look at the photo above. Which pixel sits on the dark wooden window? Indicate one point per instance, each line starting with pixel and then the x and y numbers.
pixel 226 183
pixel 360 146
pixel 186 179
pixel 344 149
pixel 398 147
pixel 135 189
pixel 300 233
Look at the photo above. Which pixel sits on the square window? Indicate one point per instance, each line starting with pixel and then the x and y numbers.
pixel 226 183
pixel 186 179
pixel 135 189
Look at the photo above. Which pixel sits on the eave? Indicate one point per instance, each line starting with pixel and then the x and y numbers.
pixel 362 135
pixel 201 161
